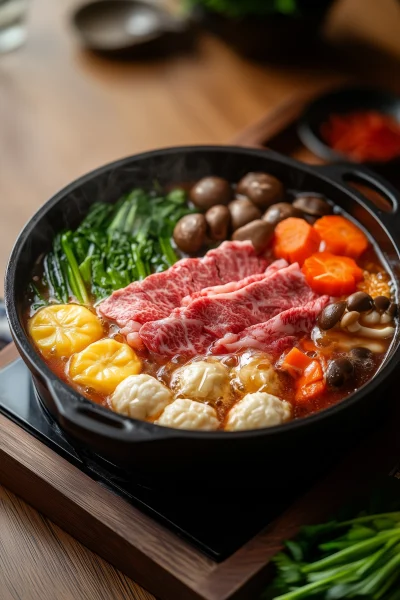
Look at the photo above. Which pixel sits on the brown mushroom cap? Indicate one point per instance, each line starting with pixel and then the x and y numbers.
pixel 261 188
pixel 210 191
pixel 338 372
pixel 258 232
pixel 218 221
pixel 314 206
pixel 280 211
pixel 242 212
pixel 190 232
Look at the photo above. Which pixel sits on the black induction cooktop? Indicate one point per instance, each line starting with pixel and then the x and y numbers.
pixel 215 525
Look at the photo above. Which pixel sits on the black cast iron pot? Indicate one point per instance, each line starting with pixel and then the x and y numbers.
pixel 169 456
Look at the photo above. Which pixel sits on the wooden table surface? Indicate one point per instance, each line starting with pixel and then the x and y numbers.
pixel 64 112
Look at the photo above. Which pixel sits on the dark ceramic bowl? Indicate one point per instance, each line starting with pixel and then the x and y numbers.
pixel 129 27
pixel 343 101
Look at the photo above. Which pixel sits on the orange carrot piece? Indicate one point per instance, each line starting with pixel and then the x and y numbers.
pixel 340 236
pixel 311 384
pixel 334 275
pixel 295 240
pixel 295 362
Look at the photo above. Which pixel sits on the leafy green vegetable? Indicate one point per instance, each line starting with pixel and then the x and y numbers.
pixel 113 246
pixel 363 561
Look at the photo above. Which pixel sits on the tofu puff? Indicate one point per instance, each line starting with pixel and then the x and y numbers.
pixel 141 397
pixel 258 410
pixel 255 373
pixel 203 380
pixel 144 397
pixel 188 414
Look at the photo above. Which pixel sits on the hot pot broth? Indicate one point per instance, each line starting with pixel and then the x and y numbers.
pixel 322 339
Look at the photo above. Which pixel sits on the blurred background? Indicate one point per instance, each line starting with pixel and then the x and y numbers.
pixel 84 86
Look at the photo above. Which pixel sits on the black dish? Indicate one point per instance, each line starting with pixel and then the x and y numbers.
pixel 170 456
pixel 343 101
pixel 129 27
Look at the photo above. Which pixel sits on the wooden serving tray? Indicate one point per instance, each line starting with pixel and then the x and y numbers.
pixel 146 551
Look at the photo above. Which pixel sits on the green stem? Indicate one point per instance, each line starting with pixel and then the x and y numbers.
pixel 167 250
pixel 139 264
pixel 369 562
pixel 390 515
pixel 386 586
pixel 59 271
pixel 372 584
pixel 347 553
pixel 320 575
pixel 117 224
pixel 130 219
pixel 316 586
pixel 50 277
pixel 73 284
pixel 76 280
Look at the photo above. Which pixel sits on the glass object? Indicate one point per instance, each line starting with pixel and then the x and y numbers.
pixel 12 24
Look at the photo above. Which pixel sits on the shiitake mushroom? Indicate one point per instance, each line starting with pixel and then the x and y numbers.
pixel 190 233
pixel 261 188
pixel 242 212
pixel 210 191
pixel 314 206
pixel 331 315
pixel 338 372
pixel 381 303
pixel 361 354
pixel 360 301
pixel 280 211
pixel 258 232
pixel 218 219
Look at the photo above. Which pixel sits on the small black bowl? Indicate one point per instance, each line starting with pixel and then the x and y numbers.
pixel 116 27
pixel 344 101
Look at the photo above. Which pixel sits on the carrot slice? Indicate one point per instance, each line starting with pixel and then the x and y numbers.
pixel 295 362
pixel 311 384
pixel 334 275
pixel 341 236
pixel 295 240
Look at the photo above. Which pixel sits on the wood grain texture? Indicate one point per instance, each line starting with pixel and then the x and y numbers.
pixel 39 561
pixel 63 112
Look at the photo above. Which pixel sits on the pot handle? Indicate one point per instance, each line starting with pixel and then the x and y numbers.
pixel 342 173
pixel 91 423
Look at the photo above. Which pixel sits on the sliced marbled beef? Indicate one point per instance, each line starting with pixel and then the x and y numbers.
pixel 156 296
pixel 191 329
pixel 233 286
pixel 279 329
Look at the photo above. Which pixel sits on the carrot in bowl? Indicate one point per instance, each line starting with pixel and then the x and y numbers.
pixel 341 236
pixel 329 274
pixel 295 240
pixel 295 362
pixel 308 373
pixel 311 384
